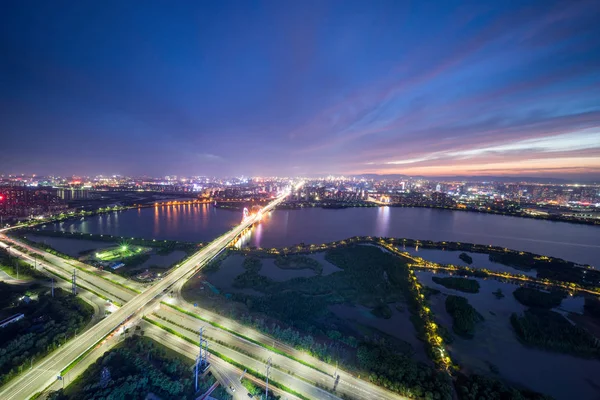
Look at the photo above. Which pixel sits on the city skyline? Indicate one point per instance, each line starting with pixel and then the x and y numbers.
pixel 302 90
pixel 300 199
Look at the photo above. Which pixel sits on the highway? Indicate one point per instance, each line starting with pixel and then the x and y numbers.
pixel 33 381
pixel 95 280
pixel 99 305
pixel 225 342
pixel 291 381
pixel 347 383
pixel 254 355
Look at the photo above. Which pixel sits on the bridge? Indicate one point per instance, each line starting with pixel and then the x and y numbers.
pixel 45 373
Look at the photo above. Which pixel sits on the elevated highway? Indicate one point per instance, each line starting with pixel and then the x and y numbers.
pixel 46 372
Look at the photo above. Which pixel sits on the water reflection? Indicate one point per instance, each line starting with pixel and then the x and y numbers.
pixel 258 230
pixel 199 223
pixel 283 228
pixel 315 225
pixel 383 221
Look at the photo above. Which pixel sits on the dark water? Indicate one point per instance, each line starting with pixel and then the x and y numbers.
pixel 561 375
pixel 194 223
pixel 68 246
pixel 579 243
pixel 399 325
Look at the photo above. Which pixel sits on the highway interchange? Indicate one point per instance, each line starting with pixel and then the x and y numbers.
pixel 139 301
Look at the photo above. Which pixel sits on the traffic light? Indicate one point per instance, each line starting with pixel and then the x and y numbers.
pixel 1 197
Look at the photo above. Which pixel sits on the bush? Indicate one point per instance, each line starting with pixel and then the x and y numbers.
pixel 136 368
pixel 466 258
pixel 299 262
pixel 48 322
pixel 465 317
pixel 382 311
pixel 536 298
pixel 478 387
pixel 551 331
pixel 253 264
pixel 401 374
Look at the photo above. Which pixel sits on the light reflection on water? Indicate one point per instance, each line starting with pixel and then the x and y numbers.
pixel 572 242
pixel 283 228
pixel 383 221
pixel 196 223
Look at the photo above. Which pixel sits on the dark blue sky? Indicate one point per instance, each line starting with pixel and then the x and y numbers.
pixel 300 87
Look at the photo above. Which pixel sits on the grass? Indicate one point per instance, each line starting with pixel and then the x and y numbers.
pixel 118 253
pixel 24 274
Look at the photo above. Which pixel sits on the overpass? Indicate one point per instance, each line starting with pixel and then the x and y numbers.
pixel 46 372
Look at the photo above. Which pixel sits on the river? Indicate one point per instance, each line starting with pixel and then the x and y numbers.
pixel 560 375
pixel 280 228
pixel 189 222
pixel 573 242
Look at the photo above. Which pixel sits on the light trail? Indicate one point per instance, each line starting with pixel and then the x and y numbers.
pixel 29 383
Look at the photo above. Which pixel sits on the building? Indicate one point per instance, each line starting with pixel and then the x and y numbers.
pixel 442 200
pixel 72 193
pixel 25 202
pixel 117 265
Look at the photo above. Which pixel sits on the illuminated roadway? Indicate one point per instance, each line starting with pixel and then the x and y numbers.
pixel 323 376
pixel 46 372
pixel 304 379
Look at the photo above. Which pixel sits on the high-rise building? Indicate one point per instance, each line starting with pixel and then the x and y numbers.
pixel 23 202
pixel 72 193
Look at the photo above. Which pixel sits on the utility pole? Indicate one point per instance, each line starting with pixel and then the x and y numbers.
pixel 74 282
pixel 268 372
pixel 201 360
pixel 196 367
pixel 52 287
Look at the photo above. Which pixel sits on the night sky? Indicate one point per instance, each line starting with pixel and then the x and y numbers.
pixel 300 87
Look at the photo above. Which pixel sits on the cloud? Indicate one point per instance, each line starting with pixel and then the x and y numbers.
pixel 207 157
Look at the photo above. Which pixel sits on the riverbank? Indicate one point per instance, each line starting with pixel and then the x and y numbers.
pixel 549 270
pixel 285 228
pixel 281 228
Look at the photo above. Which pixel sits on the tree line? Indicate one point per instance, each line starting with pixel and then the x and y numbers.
pixel 48 323
pixel 464 316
